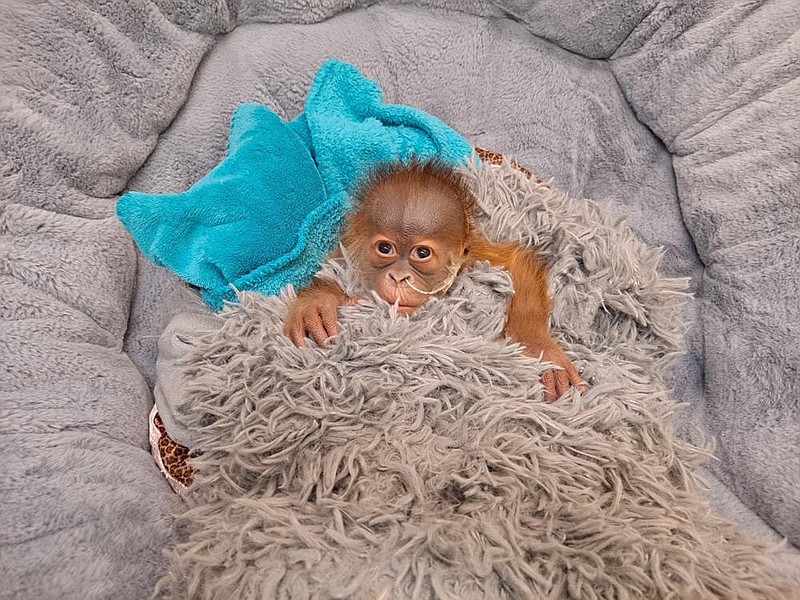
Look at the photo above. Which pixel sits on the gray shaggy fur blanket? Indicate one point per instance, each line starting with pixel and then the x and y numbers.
pixel 416 458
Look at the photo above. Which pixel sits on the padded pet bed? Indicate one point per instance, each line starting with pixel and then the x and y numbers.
pixel 680 116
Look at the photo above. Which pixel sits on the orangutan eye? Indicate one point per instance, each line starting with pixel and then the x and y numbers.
pixel 385 248
pixel 422 252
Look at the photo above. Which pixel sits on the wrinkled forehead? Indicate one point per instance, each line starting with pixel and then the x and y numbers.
pixel 415 211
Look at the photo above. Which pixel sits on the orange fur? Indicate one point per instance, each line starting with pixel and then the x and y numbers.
pixel 529 310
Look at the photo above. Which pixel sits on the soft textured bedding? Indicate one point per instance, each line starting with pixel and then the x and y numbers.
pixel 680 115
pixel 416 458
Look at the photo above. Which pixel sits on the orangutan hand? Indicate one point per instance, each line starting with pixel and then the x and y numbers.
pixel 558 380
pixel 314 313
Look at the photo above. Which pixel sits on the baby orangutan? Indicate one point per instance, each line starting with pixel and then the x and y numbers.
pixel 412 231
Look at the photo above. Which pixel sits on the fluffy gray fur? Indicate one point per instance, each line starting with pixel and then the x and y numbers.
pixel 416 459
pixel 85 89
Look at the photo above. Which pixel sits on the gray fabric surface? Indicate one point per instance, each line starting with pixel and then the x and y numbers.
pixel 727 505
pixel 85 91
pixel 186 319
pixel 720 84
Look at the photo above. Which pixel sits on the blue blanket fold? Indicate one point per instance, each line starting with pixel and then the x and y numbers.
pixel 268 214
pixel 351 129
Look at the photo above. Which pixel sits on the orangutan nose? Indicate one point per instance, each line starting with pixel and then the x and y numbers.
pixel 398 278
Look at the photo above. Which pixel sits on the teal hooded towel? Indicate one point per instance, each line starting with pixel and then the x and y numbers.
pixel 268 214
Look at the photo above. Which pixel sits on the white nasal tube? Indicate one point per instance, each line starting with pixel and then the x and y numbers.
pixel 443 287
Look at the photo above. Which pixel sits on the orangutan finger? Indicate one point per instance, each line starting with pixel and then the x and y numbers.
pixel 294 330
pixel 315 327
pixel 576 380
pixel 330 321
pixel 549 383
pixel 562 382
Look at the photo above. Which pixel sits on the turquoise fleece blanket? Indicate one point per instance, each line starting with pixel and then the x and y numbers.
pixel 268 214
